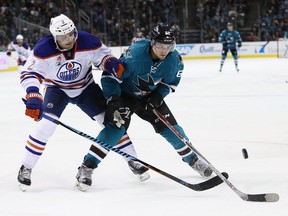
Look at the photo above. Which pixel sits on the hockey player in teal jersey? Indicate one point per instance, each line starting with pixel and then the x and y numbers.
pixel 229 38
pixel 153 70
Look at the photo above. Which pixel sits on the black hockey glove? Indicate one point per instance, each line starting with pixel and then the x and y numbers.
pixel 239 44
pixel 225 44
pixel 116 112
pixel 154 101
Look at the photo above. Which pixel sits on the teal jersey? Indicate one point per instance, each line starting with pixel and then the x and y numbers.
pixel 231 37
pixel 142 76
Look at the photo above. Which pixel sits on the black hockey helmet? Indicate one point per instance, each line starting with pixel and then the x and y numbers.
pixel 162 34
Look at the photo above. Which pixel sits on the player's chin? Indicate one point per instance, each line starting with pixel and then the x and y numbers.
pixel 161 57
pixel 69 46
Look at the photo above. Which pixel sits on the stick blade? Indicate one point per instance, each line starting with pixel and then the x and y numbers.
pixel 268 197
pixel 213 182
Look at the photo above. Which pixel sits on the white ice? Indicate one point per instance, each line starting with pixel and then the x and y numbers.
pixel 220 112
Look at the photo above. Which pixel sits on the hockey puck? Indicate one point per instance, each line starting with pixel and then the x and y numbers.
pixel 245 153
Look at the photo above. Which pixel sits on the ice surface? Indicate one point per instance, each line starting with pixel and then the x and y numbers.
pixel 220 112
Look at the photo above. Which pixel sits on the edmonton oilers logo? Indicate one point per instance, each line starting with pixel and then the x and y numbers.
pixel 69 71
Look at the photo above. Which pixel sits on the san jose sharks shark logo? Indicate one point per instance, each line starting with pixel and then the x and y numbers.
pixel 144 85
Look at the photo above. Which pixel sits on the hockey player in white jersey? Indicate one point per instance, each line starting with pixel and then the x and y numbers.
pixel 63 62
pixel 22 48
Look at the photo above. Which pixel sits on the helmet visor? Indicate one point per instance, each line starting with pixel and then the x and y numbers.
pixel 164 47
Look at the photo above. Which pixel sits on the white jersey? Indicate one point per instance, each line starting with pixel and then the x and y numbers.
pixel 71 71
pixel 23 50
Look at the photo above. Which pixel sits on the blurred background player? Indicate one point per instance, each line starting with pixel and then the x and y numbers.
pixel 176 31
pixel 229 38
pixel 22 48
pixel 153 70
pixel 138 37
pixel 62 61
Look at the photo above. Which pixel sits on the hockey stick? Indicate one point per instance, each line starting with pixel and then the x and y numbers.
pixel 266 197
pixel 253 45
pixel 196 187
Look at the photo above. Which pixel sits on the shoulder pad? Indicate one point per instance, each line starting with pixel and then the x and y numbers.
pixel 87 41
pixel 45 47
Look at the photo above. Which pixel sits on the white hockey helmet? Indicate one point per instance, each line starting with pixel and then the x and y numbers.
pixel 19 37
pixel 61 25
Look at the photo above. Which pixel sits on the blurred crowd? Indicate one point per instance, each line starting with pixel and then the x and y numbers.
pixel 274 19
pixel 116 22
pixel 270 24
pixel 122 19
pixel 213 16
pixel 37 12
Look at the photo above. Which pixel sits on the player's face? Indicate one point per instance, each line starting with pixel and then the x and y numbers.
pixel 230 27
pixel 19 42
pixel 66 41
pixel 162 50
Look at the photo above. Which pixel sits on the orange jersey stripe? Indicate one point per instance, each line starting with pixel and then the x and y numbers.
pixel 124 139
pixel 34 146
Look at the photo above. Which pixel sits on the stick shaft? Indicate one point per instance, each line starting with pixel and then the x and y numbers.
pixel 197 187
pixel 247 197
